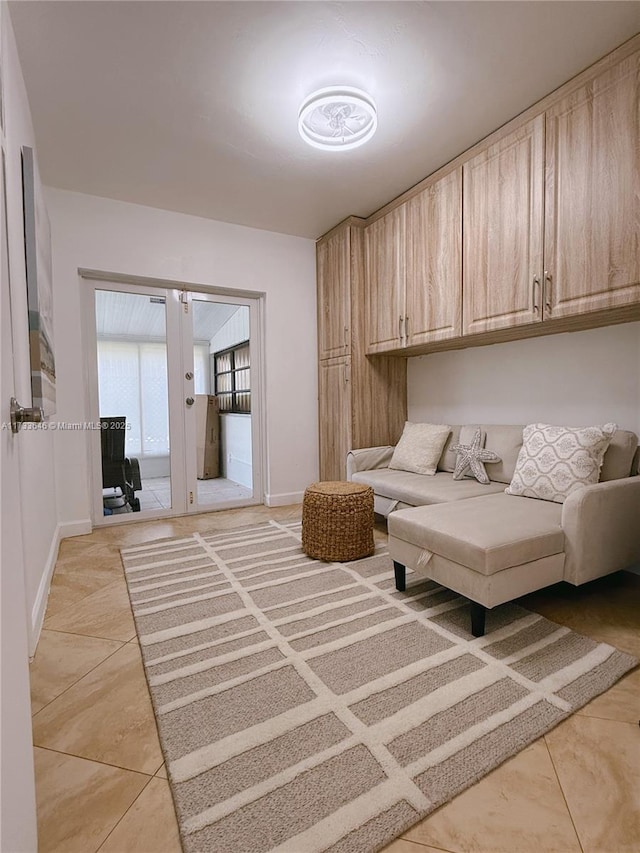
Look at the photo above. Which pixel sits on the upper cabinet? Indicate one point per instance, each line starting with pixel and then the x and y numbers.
pixel 592 217
pixel 333 259
pixel 534 230
pixel 414 269
pixel 503 231
pixel 384 281
pixel 433 305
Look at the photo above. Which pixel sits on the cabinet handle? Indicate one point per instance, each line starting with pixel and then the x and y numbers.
pixel 536 285
pixel 346 336
pixel 400 322
pixel 346 373
pixel 547 291
pixel 406 328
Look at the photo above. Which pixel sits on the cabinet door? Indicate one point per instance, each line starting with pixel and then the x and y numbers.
pixel 384 282
pixel 334 312
pixel 434 262
pixel 592 221
pixel 502 232
pixel 334 407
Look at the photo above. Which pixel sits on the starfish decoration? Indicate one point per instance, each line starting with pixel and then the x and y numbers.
pixel 473 456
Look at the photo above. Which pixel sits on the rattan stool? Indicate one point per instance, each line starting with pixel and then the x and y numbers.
pixel 337 521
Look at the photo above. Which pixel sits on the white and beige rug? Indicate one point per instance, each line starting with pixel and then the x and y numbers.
pixel 304 706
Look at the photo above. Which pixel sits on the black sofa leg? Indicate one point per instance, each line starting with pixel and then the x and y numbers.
pixel 478 612
pixel 401 576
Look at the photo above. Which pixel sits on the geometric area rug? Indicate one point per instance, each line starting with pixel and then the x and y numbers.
pixel 305 706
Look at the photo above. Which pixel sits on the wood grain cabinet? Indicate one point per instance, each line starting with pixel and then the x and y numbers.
pixel 333 262
pixel 414 269
pixel 335 435
pixel 385 281
pixel 433 284
pixel 592 210
pixel 362 402
pixel 503 232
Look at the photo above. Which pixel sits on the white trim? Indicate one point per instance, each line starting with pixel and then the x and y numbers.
pixel 75 528
pixel 42 596
pixel 284 499
pixel 63 531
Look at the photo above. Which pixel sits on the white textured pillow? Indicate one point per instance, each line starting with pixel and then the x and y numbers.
pixel 555 461
pixel 420 447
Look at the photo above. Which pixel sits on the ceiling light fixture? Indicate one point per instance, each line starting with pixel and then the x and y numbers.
pixel 337 118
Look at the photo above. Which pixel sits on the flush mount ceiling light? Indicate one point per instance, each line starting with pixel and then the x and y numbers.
pixel 337 118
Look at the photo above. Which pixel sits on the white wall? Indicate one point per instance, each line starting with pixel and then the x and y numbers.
pixel 102 234
pixel 575 379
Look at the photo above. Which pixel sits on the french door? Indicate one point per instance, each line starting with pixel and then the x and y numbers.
pixel 175 395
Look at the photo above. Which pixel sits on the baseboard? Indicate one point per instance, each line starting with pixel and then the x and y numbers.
pixel 75 528
pixel 284 499
pixel 62 531
pixel 635 569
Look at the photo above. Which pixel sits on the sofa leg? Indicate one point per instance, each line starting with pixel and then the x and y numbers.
pixel 478 612
pixel 401 576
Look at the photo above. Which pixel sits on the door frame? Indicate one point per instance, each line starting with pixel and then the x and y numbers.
pixel 92 280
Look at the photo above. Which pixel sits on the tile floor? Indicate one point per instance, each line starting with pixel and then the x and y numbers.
pixel 100 777
pixel 156 492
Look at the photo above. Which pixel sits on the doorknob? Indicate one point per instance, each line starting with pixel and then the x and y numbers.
pixel 21 415
pixel 188 375
pixel 189 401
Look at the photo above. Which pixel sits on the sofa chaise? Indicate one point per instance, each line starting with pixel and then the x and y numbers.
pixel 492 547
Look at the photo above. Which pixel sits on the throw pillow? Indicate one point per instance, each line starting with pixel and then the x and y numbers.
pixel 555 461
pixel 419 448
pixel 472 456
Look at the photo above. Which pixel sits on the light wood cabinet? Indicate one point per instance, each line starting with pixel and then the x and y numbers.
pixel 433 303
pixel 385 281
pixel 503 232
pixel 592 217
pixel 414 269
pixel 333 261
pixel 334 396
pixel 362 402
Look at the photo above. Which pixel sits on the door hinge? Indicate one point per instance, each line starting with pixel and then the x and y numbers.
pixel 190 497
pixel 184 298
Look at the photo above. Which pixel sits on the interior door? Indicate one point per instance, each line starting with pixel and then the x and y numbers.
pixel 221 401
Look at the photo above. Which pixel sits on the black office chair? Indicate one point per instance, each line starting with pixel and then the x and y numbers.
pixel 118 471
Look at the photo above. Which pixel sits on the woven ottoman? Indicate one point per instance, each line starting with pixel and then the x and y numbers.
pixel 337 521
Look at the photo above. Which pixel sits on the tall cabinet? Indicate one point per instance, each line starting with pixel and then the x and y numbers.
pixel 362 401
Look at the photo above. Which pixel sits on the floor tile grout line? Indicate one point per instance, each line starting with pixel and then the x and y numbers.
pixel 96 761
pixel 424 844
pixel 89 636
pixel 564 796
pixel 93 668
pixel 124 814
pixel 84 598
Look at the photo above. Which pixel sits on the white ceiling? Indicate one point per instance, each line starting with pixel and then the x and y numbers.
pixel 135 317
pixel 192 106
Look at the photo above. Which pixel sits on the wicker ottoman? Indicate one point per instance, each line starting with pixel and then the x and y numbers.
pixel 337 521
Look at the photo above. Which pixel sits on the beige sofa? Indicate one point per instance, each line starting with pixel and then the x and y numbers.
pixel 492 547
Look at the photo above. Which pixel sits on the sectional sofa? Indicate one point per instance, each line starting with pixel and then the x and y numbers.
pixel 493 547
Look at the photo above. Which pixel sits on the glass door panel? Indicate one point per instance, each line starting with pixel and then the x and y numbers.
pixel 219 422
pixel 133 402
